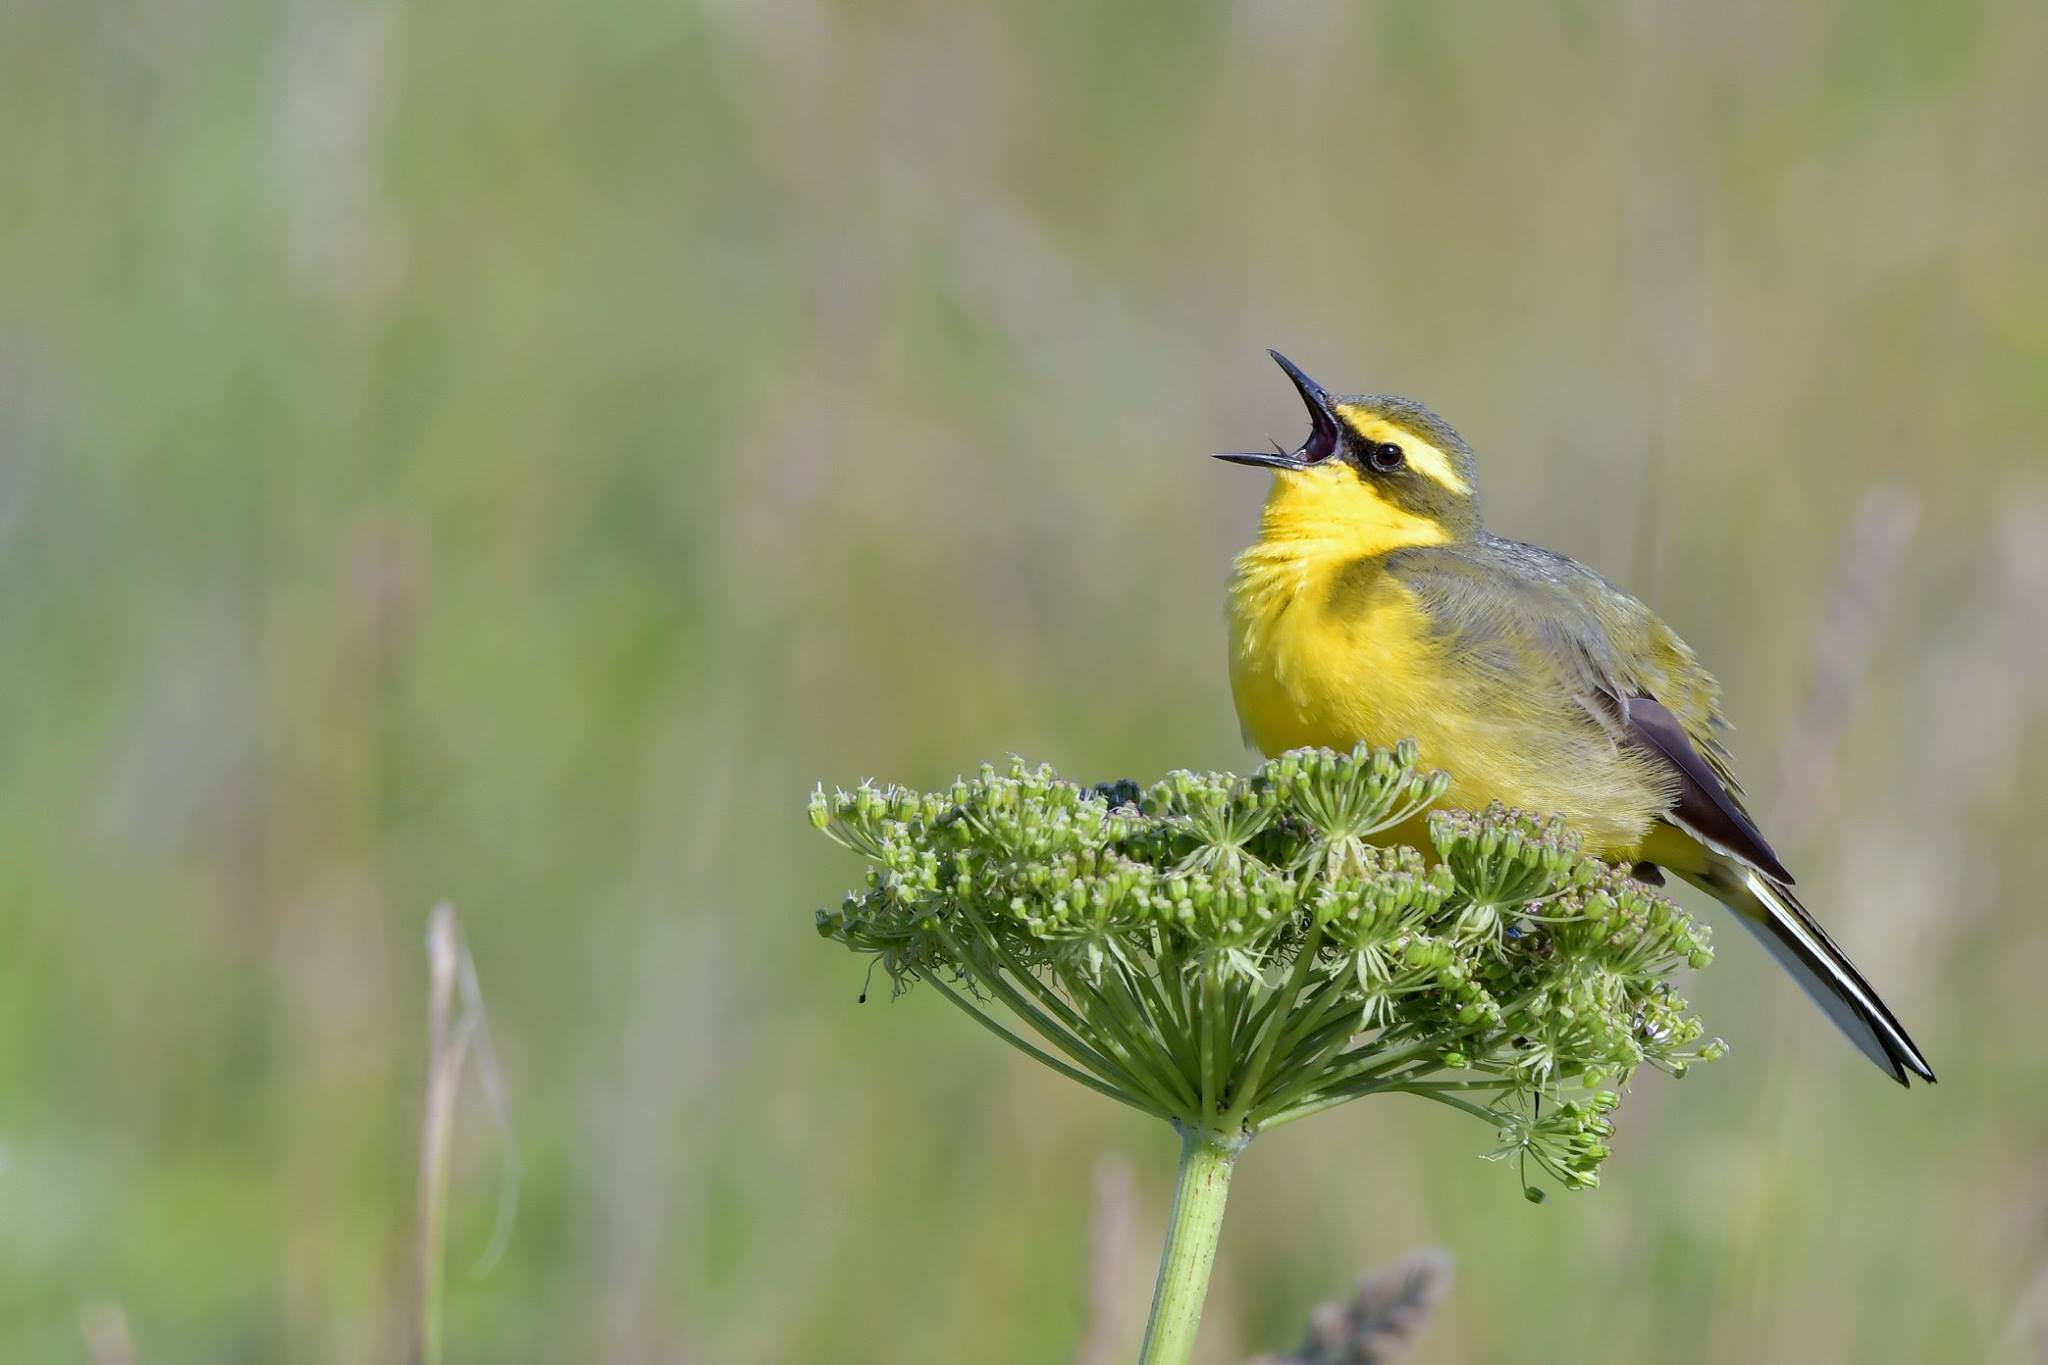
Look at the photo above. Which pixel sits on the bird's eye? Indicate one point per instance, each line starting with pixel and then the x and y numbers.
pixel 1386 457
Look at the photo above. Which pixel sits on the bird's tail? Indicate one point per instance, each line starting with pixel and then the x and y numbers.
pixel 1771 912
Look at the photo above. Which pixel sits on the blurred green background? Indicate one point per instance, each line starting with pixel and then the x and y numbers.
pixel 506 454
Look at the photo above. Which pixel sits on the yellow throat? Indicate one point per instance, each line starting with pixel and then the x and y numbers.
pixel 1308 603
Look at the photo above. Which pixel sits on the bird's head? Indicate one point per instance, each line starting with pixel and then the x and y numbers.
pixel 1376 470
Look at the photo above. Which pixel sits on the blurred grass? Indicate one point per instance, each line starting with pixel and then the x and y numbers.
pixel 507 456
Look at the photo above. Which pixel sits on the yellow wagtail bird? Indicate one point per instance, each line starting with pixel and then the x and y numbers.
pixel 1375 607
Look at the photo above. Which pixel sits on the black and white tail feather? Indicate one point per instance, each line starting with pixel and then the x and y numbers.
pixel 1770 911
pixel 1744 874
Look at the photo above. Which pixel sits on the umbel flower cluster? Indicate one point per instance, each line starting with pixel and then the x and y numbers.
pixel 1233 953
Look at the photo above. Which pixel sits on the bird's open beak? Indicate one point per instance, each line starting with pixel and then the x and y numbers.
pixel 1324 437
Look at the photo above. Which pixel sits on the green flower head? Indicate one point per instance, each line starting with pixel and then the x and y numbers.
pixel 1231 954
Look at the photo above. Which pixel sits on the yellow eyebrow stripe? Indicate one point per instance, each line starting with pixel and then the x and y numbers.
pixel 1423 457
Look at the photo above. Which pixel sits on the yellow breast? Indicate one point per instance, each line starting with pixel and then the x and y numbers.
pixel 1302 675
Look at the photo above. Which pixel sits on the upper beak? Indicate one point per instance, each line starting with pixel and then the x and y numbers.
pixel 1323 436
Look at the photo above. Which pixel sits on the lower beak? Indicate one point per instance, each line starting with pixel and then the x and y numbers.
pixel 1263 459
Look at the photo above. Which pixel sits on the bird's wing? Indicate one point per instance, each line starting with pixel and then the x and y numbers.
pixel 1500 599
pixel 1706 809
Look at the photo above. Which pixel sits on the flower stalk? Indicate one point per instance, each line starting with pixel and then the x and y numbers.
pixel 1192 1230
pixel 1234 954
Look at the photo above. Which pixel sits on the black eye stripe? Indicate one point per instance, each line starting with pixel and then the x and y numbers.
pixel 1373 458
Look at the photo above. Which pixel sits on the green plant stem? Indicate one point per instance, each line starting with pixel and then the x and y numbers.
pixel 1155 1031
pixel 1164 1008
pixel 1399 1081
pixel 1133 1049
pixel 993 979
pixel 1007 962
pixel 1101 1087
pixel 1477 1111
pixel 1204 1020
pixel 1206 1160
pixel 1272 1027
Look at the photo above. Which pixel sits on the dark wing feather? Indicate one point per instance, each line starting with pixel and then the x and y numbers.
pixel 1705 809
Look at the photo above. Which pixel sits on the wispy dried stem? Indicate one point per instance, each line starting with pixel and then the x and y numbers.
pixel 1381 1320
pixel 455 1022
pixel 1863 588
pixel 108 1340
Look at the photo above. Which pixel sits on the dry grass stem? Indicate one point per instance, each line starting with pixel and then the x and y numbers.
pixel 455 1022
pixel 1841 655
pixel 108 1338
pixel 1381 1320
